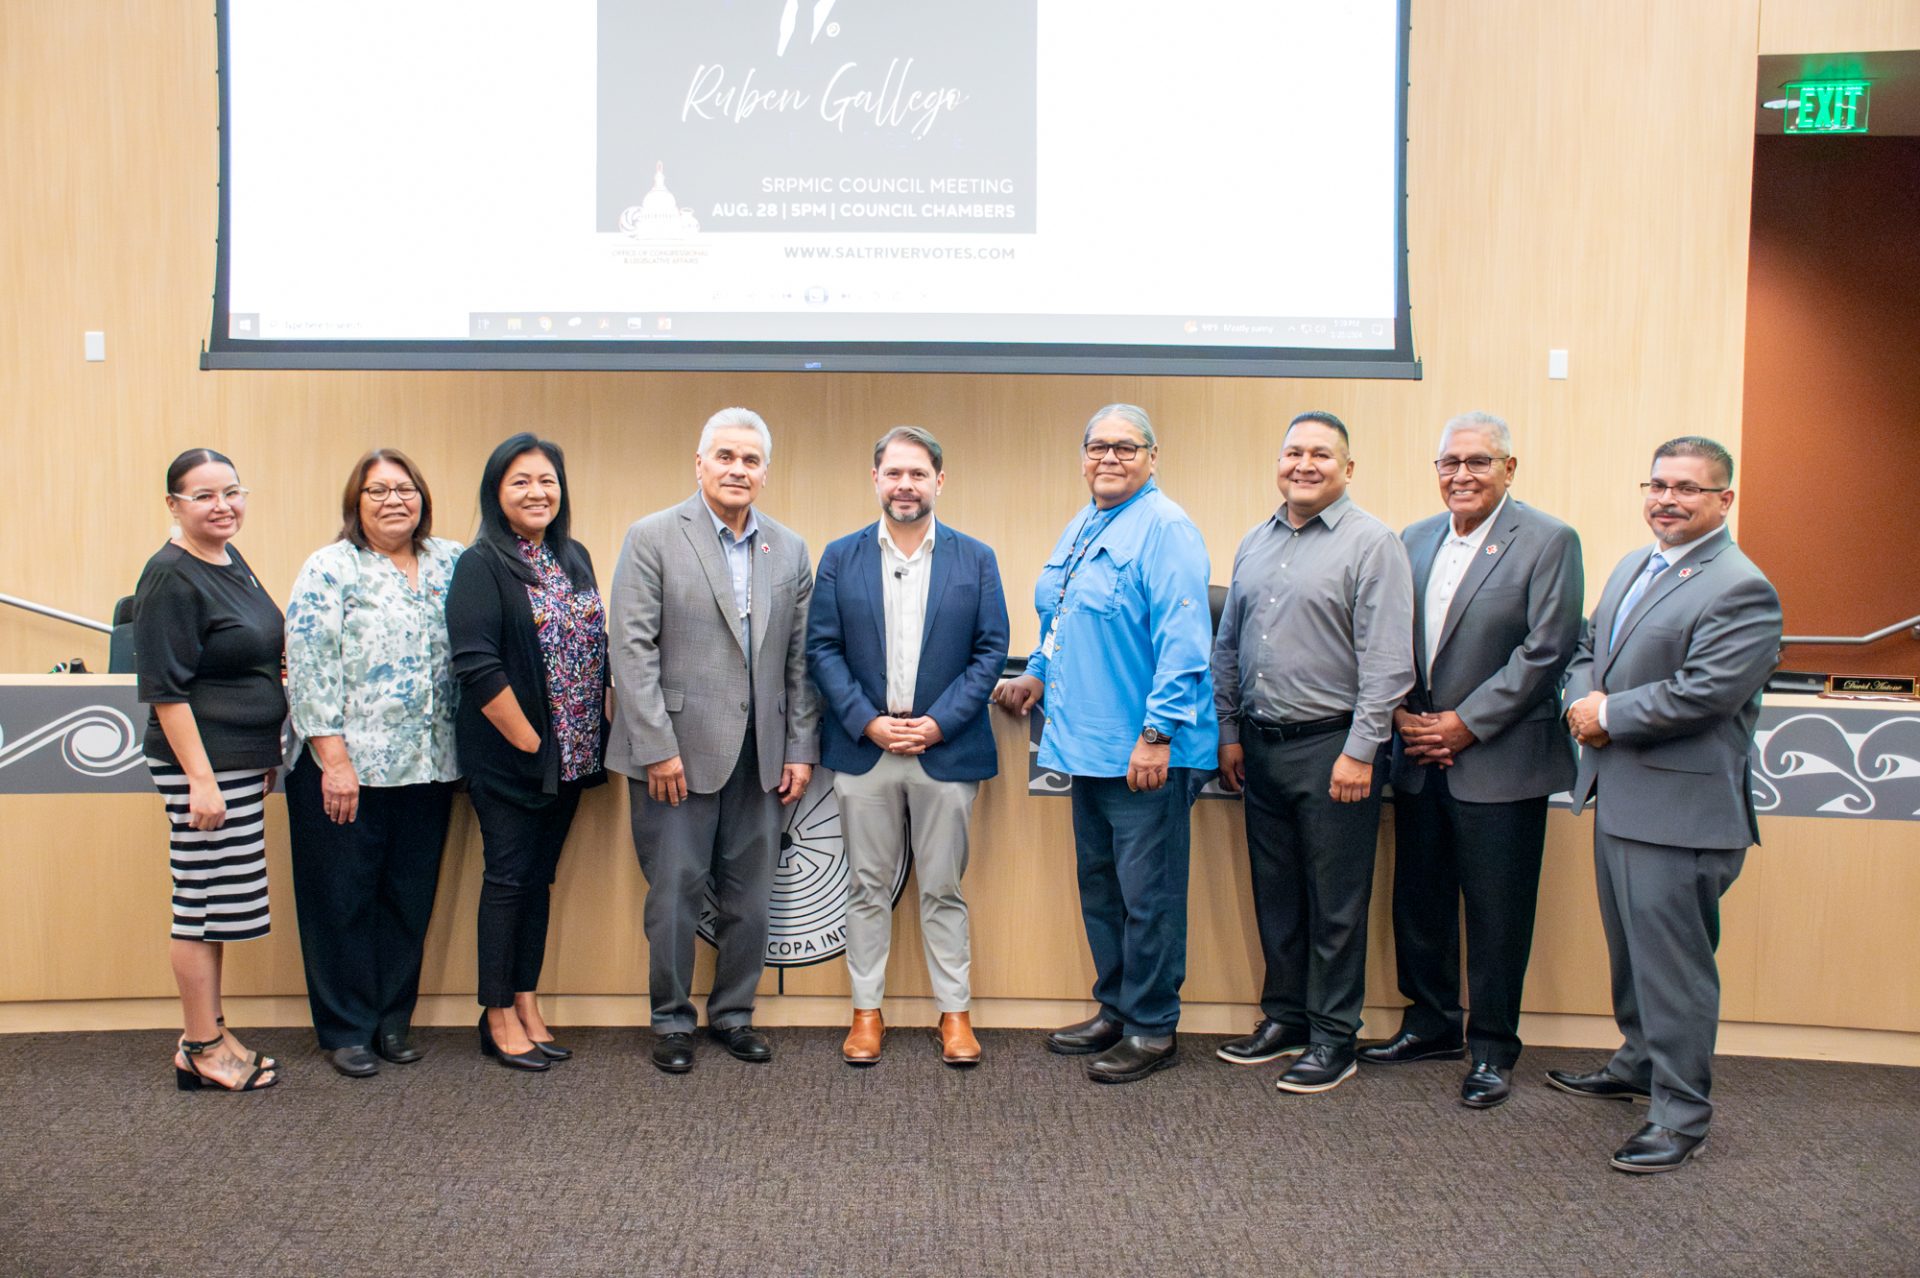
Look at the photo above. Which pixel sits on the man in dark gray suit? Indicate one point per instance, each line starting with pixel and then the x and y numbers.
pixel 1477 748
pixel 1662 696
pixel 716 725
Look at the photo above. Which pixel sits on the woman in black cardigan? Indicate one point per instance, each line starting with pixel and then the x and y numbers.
pixel 529 637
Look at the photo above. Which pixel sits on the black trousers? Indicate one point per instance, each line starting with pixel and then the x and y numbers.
pixel 1489 854
pixel 1312 862
pixel 363 893
pixel 521 835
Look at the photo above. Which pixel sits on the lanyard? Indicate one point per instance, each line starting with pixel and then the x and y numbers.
pixel 1104 518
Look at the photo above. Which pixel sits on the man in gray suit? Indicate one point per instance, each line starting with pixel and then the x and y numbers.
pixel 716 725
pixel 1662 696
pixel 1477 748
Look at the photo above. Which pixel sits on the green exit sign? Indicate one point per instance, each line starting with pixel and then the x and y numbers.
pixel 1835 106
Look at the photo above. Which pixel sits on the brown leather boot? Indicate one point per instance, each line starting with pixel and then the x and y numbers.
pixel 958 1046
pixel 863 1041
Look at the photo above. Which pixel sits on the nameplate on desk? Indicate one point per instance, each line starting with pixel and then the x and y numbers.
pixel 1902 687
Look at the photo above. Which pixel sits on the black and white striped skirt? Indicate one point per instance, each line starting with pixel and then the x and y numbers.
pixel 219 876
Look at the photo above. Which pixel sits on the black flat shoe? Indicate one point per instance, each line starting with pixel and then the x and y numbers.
pixel 1655 1149
pixel 552 1050
pixel 397 1048
pixel 354 1061
pixel 1485 1086
pixel 744 1043
pixel 1405 1047
pixel 1095 1034
pixel 673 1053
pixel 1270 1041
pixel 1596 1085
pixel 1321 1069
pixel 1133 1058
pixel 532 1061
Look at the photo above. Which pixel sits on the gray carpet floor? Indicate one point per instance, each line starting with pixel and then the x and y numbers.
pixel 808 1167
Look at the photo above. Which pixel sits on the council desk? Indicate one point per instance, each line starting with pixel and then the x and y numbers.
pixel 1817 954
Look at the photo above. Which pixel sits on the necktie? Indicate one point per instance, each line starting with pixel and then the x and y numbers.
pixel 1655 566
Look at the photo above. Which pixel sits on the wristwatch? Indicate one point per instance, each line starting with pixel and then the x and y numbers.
pixel 1153 736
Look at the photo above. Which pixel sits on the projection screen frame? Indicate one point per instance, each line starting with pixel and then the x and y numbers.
pixel 222 352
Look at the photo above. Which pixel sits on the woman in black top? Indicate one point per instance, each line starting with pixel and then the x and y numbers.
pixel 529 637
pixel 208 643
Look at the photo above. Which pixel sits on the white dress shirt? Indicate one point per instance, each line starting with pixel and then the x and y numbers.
pixel 903 582
pixel 1450 566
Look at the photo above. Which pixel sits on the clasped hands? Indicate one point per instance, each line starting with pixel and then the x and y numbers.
pixel 1432 738
pixel 904 736
pixel 1583 720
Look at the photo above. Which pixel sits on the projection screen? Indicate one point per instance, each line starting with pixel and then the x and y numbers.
pixel 1114 186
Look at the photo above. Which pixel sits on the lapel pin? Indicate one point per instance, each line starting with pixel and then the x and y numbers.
pixel 1493 548
pixel 1685 573
pixel 765 549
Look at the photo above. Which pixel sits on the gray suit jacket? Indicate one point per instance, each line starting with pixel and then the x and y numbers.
pixel 1510 632
pixel 679 653
pixel 1683 692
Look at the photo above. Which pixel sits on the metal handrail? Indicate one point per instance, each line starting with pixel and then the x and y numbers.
pixel 57 615
pixel 1911 623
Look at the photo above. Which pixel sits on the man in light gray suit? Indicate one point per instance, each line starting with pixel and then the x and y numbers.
pixel 715 729
pixel 1477 748
pixel 1662 696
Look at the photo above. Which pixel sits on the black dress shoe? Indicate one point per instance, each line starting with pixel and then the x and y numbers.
pixel 1095 1034
pixel 552 1050
pixel 1485 1086
pixel 1269 1041
pixel 673 1052
pixel 1656 1149
pixel 1322 1068
pixel 1134 1057
pixel 744 1043
pixel 397 1048
pixel 1597 1085
pixel 354 1062
pixel 532 1062
pixel 1407 1046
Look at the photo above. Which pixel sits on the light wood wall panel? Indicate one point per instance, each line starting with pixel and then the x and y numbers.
pixel 1838 26
pixel 1544 211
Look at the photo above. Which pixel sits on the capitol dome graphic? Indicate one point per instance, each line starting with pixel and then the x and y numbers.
pixel 658 216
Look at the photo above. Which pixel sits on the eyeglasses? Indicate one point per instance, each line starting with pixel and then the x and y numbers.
pixel 1479 465
pixel 380 492
pixel 1657 489
pixel 1099 448
pixel 206 497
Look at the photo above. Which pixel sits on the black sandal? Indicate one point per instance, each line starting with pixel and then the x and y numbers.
pixel 191 1079
pixel 261 1059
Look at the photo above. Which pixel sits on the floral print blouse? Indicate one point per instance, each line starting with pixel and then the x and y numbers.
pixel 367 658
pixel 572 628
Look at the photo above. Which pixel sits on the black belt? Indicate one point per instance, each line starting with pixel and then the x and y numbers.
pixel 1310 728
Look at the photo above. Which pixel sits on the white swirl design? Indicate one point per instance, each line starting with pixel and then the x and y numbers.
pixel 1809 764
pixel 95 741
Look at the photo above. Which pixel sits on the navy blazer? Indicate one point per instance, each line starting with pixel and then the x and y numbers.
pixel 962 652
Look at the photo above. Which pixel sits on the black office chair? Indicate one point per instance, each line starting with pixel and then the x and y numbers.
pixel 120 642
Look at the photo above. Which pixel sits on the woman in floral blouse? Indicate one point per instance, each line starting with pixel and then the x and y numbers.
pixel 530 651
pixel 368 799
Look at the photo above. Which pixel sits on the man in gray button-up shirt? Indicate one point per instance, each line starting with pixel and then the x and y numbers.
pixel 1314 651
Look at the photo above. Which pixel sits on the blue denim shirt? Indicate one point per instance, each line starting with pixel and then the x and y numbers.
pixel 1127 646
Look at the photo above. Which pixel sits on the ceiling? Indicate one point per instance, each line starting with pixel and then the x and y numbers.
pixel 1893 107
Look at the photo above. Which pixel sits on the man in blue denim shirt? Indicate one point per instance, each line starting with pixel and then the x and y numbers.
pixel 1122 669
